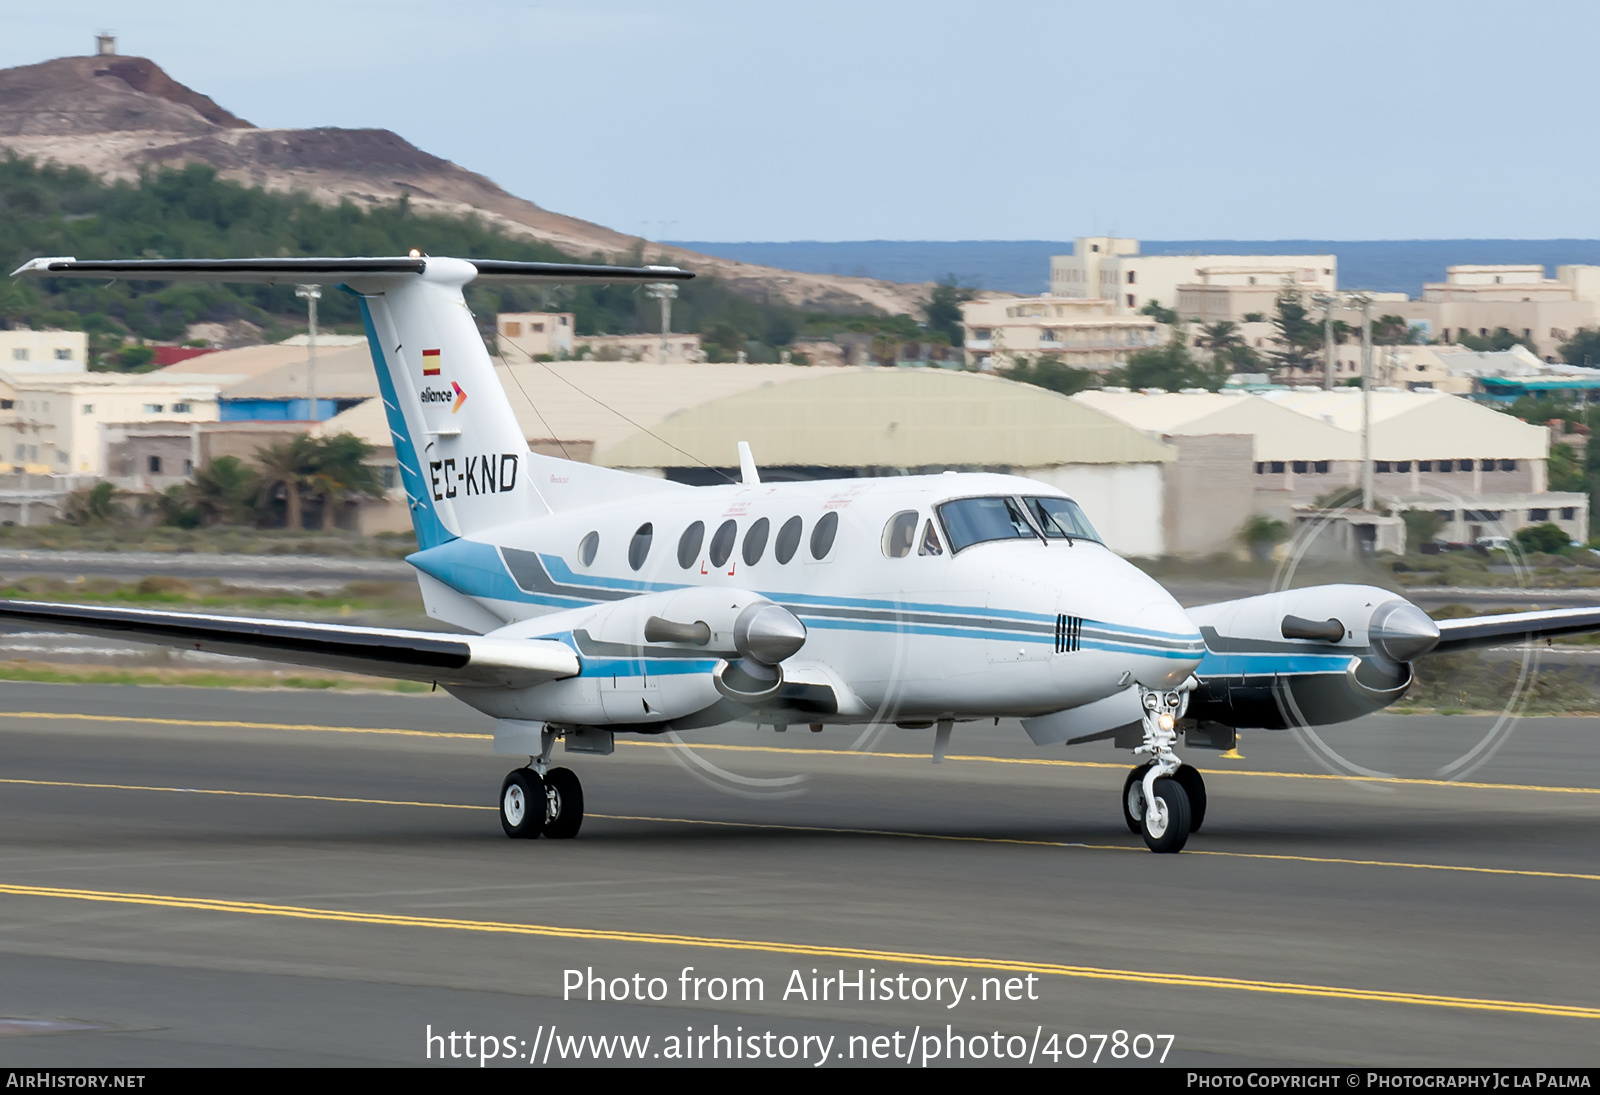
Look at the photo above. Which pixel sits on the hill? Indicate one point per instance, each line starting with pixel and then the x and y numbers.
pixel 116 116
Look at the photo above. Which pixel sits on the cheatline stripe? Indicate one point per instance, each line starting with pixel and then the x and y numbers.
pixel 1038 762
pixel 807 950
pixel 839 830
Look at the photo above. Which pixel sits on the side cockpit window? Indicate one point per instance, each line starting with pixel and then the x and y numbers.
pixel 899 534
pixel 930 542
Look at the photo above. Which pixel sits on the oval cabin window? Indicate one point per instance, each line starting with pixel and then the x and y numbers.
pixel 822 535
pixel 587 548
pixel 788 540
pixel 755 541
pixel 722 542
pixel 689 544
pixel 639 546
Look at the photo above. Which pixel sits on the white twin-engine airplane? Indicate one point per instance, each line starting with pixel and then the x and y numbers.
pixel 604 603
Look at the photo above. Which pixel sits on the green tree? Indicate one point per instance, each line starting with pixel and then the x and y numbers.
pixel 723 342
pixel 318 470
pixel 1052 373
pixel 1155 311
pixel 1228 348
pixel 1564 469
pixel 96 505
pixel 1422 526
pixel 1393 331
pixel 1499 340
pixel 1171 366
pixel 1260 534
pixel 1546 538
pixel 942 309
pixel 1583 348
pixel 1298 335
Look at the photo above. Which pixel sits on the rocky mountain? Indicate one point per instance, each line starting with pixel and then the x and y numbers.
pixel 113 115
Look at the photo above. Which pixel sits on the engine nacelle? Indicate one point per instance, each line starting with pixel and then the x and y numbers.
pixel 1310 656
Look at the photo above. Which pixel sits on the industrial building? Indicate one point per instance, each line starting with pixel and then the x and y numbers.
pixel 1483 472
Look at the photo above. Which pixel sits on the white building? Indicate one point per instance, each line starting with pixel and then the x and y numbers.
pixel 53 425
pixel 1084 333
pixel 44 351
pixel 528 336
pixel 1113 269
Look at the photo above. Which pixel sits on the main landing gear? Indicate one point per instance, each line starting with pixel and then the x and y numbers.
pixel 539 799
pixel 1163 799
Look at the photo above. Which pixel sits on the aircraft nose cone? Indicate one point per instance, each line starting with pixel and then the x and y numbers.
pixel 1401 631
pixel 768 633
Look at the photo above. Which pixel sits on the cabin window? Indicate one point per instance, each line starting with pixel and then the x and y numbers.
pixel 823 533
pixel 587 548
pixel 930 542
pixel 788 540
pixel 722 542
pixel 1447 465
pixel 639 546
pixel 971 521
pixel 1466 465
pixel 755 541
pixel 899 534
pixel 1061 517
pixel 689 544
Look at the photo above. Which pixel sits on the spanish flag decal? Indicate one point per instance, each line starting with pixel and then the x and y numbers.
pixel 430 362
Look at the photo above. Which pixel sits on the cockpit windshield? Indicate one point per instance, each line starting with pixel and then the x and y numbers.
pixel 1061 517
pixel 969 521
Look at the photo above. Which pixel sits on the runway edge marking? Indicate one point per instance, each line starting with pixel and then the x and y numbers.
pixel 1142 977
pixel 1039 762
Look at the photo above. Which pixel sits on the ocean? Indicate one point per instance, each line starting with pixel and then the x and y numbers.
pixel 1023 266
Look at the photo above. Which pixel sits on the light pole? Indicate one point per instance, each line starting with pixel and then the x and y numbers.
pixel 311 294
pixel 1327 300
pixel 1364 302
pixel 664 291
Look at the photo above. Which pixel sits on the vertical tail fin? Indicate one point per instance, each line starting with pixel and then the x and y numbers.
pixel 463 459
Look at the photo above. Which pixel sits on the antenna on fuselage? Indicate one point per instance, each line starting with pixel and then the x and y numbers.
pixel 747 465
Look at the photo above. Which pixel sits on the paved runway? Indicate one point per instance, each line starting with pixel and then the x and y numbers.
pixel 199 876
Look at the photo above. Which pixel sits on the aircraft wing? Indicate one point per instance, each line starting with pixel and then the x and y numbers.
pixel 383 652
pixel 292 271
pixel 1473 632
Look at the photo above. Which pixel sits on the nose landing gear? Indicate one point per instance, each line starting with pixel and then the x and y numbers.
pixel 1163 799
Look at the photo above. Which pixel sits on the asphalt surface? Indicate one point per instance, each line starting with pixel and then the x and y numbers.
pixel 352 890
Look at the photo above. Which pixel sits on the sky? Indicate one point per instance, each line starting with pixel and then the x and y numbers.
pixel 929 119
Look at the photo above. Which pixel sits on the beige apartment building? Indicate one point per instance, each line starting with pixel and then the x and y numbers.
pixel 1084 333
pixel 528 336
pixel 44 351
pixel 53 425
pixel 1111 268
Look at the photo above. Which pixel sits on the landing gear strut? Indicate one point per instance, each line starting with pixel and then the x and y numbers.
pixel 1163 799
pixel 541 799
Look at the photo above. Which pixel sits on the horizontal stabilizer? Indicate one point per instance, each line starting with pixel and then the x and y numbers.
pixel 327 270
pixel 1474 632
pixel 382 652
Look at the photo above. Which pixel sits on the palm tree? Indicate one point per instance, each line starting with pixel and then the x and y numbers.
pixel 284 472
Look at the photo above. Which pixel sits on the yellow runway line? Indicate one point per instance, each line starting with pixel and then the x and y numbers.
pixel 807 950
pixel 823 829
pixel 1036 762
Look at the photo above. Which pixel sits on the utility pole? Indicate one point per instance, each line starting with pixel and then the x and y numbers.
pixel 1365 303
pixel 311 294
pixel 663 291
pixel 1327 300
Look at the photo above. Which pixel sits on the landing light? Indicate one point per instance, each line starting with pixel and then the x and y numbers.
pixel 1166 721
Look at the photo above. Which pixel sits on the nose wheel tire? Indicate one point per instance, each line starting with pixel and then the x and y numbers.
pixel 1187 776
pixel 1133 798
pixel 523 804
pixel 565 795
pixel 1166 819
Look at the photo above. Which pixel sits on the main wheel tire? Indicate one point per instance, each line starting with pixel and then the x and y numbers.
pixel 522 804
pixel 1133 798
pixel 566 804
pixel 1188 777
pixel 1166 821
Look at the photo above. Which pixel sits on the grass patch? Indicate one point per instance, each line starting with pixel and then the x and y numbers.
pixel 218 539
pixel 200 678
